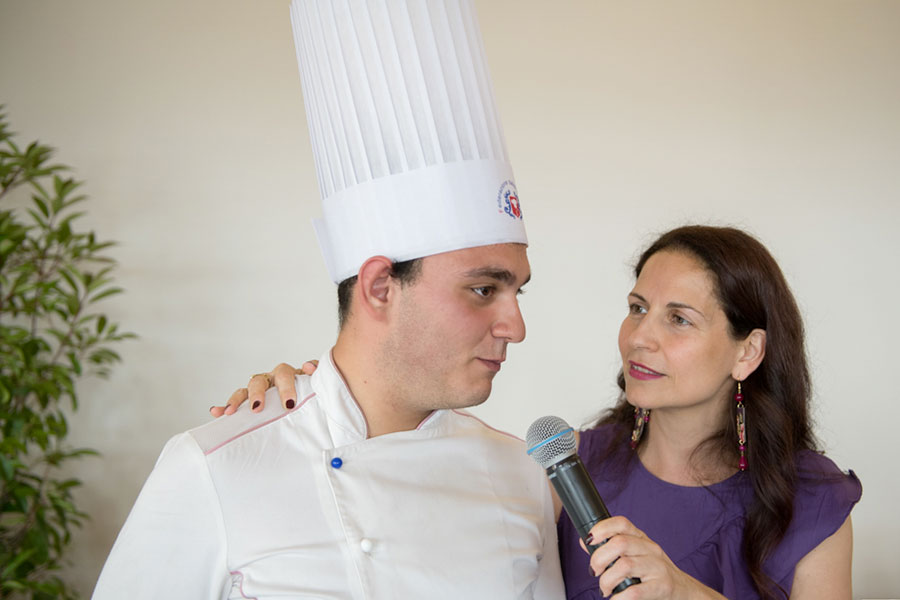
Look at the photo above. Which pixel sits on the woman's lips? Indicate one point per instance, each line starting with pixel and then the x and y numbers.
pixel 644 373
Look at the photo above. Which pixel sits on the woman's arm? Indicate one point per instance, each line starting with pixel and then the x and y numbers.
pixel 824 573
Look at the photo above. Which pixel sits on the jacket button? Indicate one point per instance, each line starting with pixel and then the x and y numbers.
pixel 366 545
pixel 336 462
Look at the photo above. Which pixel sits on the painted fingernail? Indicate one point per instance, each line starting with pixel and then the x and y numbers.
pixel 256 405
pixel 589 539
pixel 591 571
pixel 211 408
pixel 289 403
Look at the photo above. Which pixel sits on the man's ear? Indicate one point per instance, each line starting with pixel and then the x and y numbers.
pixel 753 350
pixel 373 286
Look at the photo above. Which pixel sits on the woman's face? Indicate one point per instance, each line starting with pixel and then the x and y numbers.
pixel 676 348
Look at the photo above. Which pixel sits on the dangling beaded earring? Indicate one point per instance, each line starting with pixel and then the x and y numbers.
pixel 641 416
pixel 741 422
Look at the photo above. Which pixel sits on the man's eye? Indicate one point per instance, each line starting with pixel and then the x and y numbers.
pixel 484 292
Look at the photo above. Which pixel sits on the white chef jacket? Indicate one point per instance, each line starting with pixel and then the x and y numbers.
pixel 300 504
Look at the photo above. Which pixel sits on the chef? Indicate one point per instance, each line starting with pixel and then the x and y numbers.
pixel 377 483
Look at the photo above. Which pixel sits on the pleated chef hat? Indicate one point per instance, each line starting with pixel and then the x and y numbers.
pixel 409 150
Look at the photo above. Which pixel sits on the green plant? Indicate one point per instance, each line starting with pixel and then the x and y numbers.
pixel 51 277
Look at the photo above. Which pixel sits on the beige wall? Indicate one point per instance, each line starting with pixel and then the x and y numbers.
pixel 622 119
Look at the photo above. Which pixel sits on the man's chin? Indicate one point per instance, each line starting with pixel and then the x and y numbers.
pixel 478 397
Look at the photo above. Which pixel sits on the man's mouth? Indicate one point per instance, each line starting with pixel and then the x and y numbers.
pixel 494 365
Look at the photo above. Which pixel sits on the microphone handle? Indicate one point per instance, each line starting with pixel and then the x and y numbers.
pixel 583 503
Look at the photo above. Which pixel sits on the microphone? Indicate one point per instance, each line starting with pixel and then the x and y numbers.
pixel 551 443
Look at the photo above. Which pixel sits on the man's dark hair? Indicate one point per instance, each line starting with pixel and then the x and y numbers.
pixel 405 272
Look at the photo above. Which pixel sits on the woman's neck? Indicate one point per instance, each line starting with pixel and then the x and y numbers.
pixel 674 448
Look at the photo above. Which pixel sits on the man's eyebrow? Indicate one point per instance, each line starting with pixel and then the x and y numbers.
pixel 503 275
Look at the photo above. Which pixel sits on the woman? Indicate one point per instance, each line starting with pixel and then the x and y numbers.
pixel 708 459
pixel 709 452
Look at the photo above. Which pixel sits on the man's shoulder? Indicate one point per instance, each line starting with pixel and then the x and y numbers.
pixel 223 431
pixel 478 427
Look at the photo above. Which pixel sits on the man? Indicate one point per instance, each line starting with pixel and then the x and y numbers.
pixel 375 484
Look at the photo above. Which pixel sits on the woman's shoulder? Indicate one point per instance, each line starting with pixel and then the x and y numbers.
pixel 823 499
pixel 597 439
pixel 822 488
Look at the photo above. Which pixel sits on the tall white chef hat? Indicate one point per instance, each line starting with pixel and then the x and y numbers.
pixel 409 150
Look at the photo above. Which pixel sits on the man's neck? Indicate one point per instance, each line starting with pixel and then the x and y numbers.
pixel 380 400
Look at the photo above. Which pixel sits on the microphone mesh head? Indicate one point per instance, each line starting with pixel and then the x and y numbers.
pixel 550 440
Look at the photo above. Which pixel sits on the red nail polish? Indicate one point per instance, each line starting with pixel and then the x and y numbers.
pixel 591 571
pixel 589 540
pixel 289 404
pixel 256 405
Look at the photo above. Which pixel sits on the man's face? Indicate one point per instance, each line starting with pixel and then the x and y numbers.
pixel 450 327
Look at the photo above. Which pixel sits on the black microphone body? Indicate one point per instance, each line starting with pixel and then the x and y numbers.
pixel 553 447
pixel 580 498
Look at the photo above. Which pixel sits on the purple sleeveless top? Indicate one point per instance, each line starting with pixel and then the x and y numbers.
pixel 701 528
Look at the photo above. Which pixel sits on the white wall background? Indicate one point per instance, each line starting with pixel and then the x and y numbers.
pixel 622 120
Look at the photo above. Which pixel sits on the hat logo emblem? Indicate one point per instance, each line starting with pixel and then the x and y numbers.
pixel 508 200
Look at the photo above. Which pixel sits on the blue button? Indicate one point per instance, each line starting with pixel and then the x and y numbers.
pixel 336 463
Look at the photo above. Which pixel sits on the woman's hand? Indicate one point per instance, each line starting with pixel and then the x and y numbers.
pixel 636 555
pixel 281 377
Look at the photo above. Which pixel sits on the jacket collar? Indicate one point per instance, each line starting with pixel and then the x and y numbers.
pixel 346 421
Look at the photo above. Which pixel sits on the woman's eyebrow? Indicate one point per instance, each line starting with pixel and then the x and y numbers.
pixel 684 306
pixel 680 305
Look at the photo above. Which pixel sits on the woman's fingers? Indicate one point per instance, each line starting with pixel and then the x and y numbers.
pixel 237 398
pixel 614 560
pixel 623 568
pixel 309 367
pixel 608 552
pixel 282 377
pixel 608 528
pixel 256 391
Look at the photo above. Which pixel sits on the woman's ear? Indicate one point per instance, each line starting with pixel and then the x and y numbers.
pixel 753 350
pixel 373 285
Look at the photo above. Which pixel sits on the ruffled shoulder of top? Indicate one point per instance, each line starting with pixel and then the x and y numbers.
pixel 825 495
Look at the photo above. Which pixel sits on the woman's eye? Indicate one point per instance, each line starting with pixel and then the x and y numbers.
pixel 636 309
pixel 484 292
pixel 679 320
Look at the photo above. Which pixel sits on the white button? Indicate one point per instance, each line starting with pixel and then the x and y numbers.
pixel 366 545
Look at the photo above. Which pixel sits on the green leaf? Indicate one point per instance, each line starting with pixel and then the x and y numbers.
pixel 42 205
pixel 72 303
pixel 11 584
pixel 14 564
pixel 67 275
pixel 8 467
pixel 105 293
pixel 69 218
pixel 76 364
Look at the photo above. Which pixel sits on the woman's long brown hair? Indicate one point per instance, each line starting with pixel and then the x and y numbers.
pixel 754 294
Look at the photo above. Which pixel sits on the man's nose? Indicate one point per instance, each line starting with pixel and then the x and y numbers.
pixel 510 325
